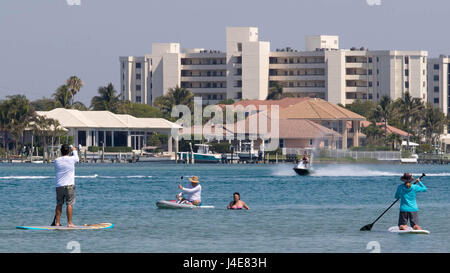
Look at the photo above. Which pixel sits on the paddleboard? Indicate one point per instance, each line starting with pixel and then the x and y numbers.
pixel 409 230
pixel 84 227
pixel 162 204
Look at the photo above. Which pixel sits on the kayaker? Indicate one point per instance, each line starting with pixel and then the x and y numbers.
pixel 193 192
pixel 408 206
pixel 65 183
pixel 237 203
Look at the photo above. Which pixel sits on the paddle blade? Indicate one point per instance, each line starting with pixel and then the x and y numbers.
pixel 366 227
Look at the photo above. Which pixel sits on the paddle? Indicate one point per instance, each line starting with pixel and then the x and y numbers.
pixel 369 226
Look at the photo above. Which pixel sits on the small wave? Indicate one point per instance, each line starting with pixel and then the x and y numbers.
pixel 87 176
pixel 25 177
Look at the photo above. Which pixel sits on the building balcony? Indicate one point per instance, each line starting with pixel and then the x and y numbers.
pixel 297 78
pixel 207 90
pixel 296 65
pixel 357 77
pixel 356 89
pixel 203 67
pixel 356 65
pixel 203 78
pixel 306 89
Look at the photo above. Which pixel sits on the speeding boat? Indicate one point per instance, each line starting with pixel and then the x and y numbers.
pixel 301 169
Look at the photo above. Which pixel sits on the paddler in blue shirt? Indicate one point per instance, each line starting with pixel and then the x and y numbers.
pixel 408 206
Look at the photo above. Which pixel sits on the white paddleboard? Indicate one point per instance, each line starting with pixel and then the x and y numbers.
pixel 84 227
pixel 409 230
pixel 162 204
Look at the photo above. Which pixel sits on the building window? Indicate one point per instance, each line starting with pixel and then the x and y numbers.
pixel 406 60
pixel 138 98
pixel 407 72
pixel 436 67
pixel 370 60
pixel 239 47
pixel 138 87
pixel 370 71
pixel 436 89
pixel 436 100
pixel 138 76
pixel 370 84
pixel 406 84
pixel 436 78
pixel 138 65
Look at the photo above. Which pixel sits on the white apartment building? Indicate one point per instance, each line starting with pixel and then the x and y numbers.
pixel 249 68
pixel 439 88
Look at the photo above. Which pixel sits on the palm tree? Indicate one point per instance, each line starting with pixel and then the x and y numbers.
pixel 4 122
pixel 62 96
pixel 433 123
pixel 383 112
pixel 408 108
pixel 20 113
pixel 275 92
pixel 107 99
pixel 175 96
pixel 41 127
pixel 74 85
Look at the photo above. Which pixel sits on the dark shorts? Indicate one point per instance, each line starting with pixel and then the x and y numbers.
pixel 405 215
pixel 65 194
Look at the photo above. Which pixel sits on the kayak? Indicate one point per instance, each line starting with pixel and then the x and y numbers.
pixel 84 227
pixel 162 204
pixel 409 230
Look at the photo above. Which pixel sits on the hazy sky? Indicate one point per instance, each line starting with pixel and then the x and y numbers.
pixel 43 42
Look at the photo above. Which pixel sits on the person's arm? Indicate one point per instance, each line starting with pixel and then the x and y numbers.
pixel 245 205
pixel 420 187
pixel 230 205
pixel 75 155
pixel 192 190
pixel 397 193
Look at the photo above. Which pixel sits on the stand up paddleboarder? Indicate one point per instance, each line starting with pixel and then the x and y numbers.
pixel 65 183
pixel 408 206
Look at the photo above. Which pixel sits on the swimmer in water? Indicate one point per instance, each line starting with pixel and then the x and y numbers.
pixel 237 203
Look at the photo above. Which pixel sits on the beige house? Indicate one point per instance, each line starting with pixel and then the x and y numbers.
pixel 103 128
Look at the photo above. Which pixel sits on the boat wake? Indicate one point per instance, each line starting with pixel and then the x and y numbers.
pixel 345 171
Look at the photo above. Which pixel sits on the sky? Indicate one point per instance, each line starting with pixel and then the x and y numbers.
pixel 44 42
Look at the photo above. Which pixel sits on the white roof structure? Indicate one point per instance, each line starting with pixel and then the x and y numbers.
pixel 70 118
pixel 405 143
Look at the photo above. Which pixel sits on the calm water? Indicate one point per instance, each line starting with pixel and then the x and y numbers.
pixel 289 213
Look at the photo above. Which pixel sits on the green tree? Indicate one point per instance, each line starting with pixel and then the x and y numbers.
pixel 4 122
pixel 175 96
pixel 74 85
pixel 62 96
pixel 140 110
pixel 433 123
pixel 408 110
pixel 383 112
pixel 106 100
pixel 20 113
pixel 364 108
pixel 44 104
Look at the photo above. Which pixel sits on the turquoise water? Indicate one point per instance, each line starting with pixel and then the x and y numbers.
pixel 289 213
